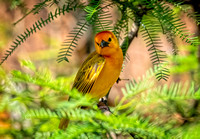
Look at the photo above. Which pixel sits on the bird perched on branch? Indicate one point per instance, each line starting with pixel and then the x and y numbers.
pixel 100 70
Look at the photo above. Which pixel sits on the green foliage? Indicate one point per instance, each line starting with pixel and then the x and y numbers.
pixel 15 3
pixel 133 116
pixel 37 26
pixel 153 17
pixel 150 30
pixel 171 22
pixel 122 27
pixel 72 41
pixel 37 8
pixel 36 99
pixel 95 121
pixel 96 17
pixel 188 10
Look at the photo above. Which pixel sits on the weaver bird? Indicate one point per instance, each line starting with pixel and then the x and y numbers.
pixel 100 70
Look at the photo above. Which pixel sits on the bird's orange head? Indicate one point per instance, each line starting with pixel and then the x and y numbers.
pixel 106 43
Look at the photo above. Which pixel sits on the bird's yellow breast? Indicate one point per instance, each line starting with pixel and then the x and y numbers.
pixel 108 75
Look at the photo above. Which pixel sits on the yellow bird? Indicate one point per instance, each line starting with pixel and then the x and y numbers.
pixel 100 70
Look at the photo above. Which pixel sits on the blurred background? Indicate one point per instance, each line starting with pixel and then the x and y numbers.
pixel 42 49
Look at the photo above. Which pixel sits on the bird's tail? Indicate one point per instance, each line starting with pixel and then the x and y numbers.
pixel 63 123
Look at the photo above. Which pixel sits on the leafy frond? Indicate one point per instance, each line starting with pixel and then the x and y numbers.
pixel 146 90
pixel 104 123
pixel 170 38
pixel 72 41
pixel 91 122
pixel 103 22
pixel 36 26
pixel 133 89
pixel 37 7
pixel 41 77
pixel 85 118
pixel 149 93
pixel 121 26
pixel 150 32
pixel 176 92
pixel 83 130
pixel 43 114
pixel 163 72
pixel 168 18
pixel 124 48
pixel 95 15
pixel 190 132
pixel 189 12
pixel 194 16
pixel 144 83
pixel 99 16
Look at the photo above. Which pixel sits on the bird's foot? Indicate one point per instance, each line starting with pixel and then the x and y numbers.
pixel 102 105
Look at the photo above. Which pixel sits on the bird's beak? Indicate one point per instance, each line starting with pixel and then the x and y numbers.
pixel 104 44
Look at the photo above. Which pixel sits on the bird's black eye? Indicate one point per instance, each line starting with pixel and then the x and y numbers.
pixel 97 43
pixel 109 39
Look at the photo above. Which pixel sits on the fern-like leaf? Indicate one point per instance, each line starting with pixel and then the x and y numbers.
pixel 102 22
pixel 170 38
pixel 121 26
pixel 98 15
pixel 188 11
pixel 95 15
pixel 37 26
pixel 150 32
pixel 36 9
pixel 97 120
pixel 71 43
pixel 170 20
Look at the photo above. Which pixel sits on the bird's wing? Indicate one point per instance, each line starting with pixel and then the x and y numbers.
pixel 89 72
